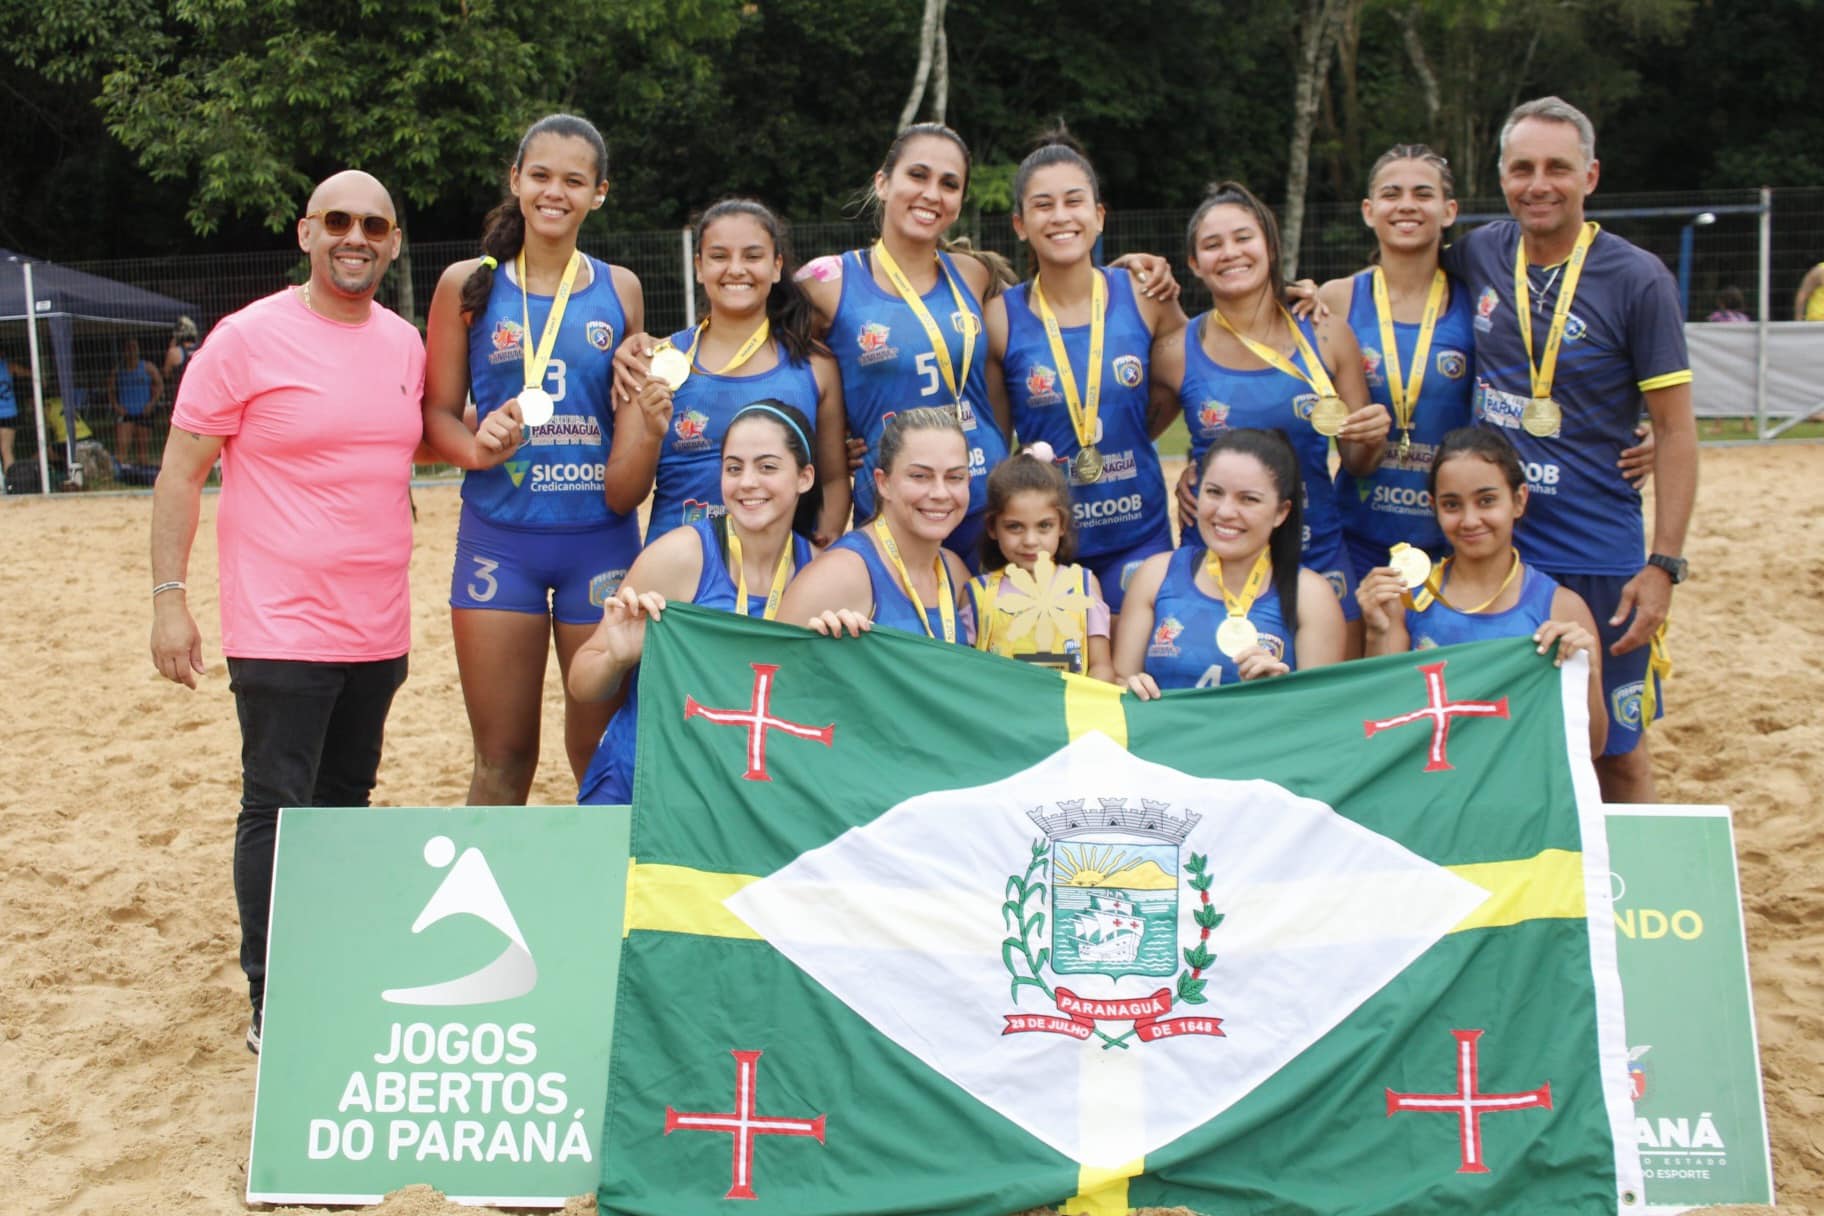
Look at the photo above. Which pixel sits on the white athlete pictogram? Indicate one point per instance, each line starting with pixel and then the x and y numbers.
pixel 469 889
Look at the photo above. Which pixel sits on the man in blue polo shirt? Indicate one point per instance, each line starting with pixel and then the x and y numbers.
pixel 1576 329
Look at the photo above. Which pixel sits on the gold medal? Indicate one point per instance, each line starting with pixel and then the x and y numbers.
pixel 670 365
pixel 1541 417
pixel 1413 565
pixel 1328 415
pixel 1235 635
pixel 1087 465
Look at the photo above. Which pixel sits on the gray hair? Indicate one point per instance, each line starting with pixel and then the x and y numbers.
pixel 1552 109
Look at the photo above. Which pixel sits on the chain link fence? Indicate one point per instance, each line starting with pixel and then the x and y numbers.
pixel 1711 239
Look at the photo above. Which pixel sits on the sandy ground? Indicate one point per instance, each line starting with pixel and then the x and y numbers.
pixel 121 1007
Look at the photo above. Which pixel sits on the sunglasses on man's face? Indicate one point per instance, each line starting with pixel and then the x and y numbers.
pixel 338 222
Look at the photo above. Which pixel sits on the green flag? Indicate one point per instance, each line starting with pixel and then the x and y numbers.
pixel 914 928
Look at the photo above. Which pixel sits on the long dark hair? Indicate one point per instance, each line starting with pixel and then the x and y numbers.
pixel 1018 474
pixel 503 232
pixel 788 307
pixel 796 428
pixel 1285 545
pixel 1235 194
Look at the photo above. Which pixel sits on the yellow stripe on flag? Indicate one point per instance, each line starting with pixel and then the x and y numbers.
pixel 677 899
pixel 1090 704
pixel 1102 1191
pixel 1548 886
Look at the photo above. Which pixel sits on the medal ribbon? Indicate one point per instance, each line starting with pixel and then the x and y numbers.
pixel 939 347
pixel 1435 585
pixel 946 598
pixel 748 349
pixel 1318 377
pixel 1547 367
pixel 1238 605
pixel 535 361
pixel 1406 396
pixel 1084 410
pixel 781 576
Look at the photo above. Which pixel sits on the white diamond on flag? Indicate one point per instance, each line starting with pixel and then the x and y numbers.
pixel 1033 939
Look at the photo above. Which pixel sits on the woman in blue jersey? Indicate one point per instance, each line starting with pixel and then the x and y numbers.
pixel 134 390
pixel 1231 603
pixel 904 317
pixel 739 561
pixel 1041 337
pixel 1483 590
pixel 555 475
pixel 1248 363
pixel 896 570
pixel 755 342
pixel 1413 326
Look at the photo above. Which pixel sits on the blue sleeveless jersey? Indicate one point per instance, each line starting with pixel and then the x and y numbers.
pixel 689 482
pixel 555 480
pixel 1440 625
pixel 133 388
pixel 1217 398
pixel 892 606
pixel 1394 504
pixel 1127 506
pixel 608 781
pixel 888 366
pixel 1182 653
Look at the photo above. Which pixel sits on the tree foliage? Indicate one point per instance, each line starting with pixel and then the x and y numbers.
pixel 153 120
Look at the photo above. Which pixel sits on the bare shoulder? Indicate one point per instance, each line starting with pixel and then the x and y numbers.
pixel 1337 294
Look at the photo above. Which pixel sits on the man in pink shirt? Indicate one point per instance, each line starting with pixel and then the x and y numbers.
pixel 311 399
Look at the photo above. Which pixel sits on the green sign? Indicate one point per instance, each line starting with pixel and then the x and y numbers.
pixel 1693 1059
pixel 439 1003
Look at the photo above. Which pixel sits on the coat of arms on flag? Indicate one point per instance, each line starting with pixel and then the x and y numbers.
pixel 996 938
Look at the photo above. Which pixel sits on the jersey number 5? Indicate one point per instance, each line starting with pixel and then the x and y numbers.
pixel 927 368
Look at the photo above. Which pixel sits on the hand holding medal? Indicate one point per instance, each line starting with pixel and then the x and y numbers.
pixel 1330 412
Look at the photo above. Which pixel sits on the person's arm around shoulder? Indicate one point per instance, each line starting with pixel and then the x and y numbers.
pixel 832 595
pixel 821 279
pixel 667 571
pixel 1320 636
pixel 1161 316
pixel 177 647
pixel 1134 628
pixel 1572 629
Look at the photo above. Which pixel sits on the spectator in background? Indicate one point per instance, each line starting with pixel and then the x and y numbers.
pixel 1808 305
pixel 1729 304
pixel 9 417
pixel 177 353
pixel 135 387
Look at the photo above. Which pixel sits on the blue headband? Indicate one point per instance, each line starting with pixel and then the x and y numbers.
pixel 761 407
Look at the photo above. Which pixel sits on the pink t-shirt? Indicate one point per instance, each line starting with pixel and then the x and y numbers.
pixel 315 523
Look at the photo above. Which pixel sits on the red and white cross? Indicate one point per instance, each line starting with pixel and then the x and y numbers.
pixel 1440 710
pixel 758 719
pixel 745 1123
pixel 1468 1105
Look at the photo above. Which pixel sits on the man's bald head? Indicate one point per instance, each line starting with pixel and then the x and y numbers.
pixel 352 190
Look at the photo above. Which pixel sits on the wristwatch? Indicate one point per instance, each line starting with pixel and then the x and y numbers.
pixel 1676 568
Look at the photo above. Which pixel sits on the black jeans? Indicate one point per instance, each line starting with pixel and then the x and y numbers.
pixel 310 736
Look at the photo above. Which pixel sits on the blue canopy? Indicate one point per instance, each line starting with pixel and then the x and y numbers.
pixel 61 297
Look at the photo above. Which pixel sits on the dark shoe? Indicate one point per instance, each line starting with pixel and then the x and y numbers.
pixel 253 1034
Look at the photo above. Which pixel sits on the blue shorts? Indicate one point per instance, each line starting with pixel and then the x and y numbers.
pixel 1113 570
pixel 566 575
pixel 1624 676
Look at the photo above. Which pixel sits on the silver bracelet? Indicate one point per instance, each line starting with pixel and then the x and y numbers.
pixel 173 585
